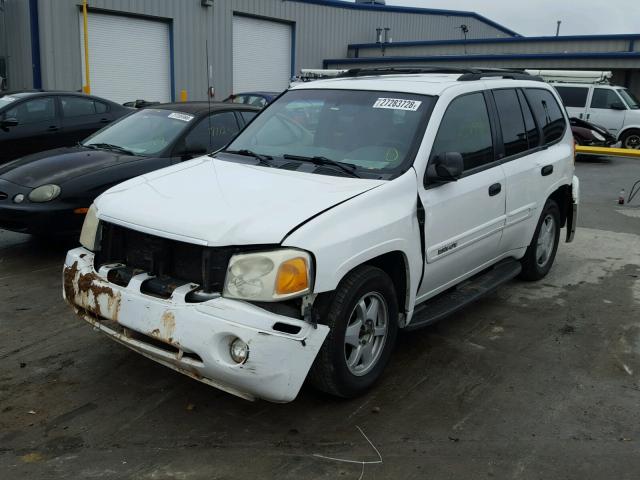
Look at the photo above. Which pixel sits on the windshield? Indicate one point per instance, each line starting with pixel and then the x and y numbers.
pixel 375 132
pixel 630 99
pixel 146 132
pixel 4 101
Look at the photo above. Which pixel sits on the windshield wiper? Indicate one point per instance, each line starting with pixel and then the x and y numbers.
pixel 324 161
pixel 109 146
pixel 263 159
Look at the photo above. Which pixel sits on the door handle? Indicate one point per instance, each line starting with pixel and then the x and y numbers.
pixel 104 120
pixel 588 115
pixel 546 170
pixel 495 189
pixel 580 116
pixel 53 128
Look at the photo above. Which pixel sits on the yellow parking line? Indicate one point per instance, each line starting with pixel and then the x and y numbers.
pixel 614 152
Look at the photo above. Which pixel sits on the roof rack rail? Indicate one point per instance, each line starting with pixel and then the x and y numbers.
pixel 466 73
pixel 403 70
pixel 510 74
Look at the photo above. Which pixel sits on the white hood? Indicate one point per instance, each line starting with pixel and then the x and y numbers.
pixel 216 202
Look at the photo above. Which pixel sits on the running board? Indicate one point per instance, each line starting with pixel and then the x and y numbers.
pixel 458 297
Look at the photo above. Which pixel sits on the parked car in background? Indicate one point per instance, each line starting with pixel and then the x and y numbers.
pixel 49 192
pixel 615 108
pixel 589 134
pixel 300 251
pixel 34 121
pixel 257 99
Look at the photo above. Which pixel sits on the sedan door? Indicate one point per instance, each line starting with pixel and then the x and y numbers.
pixel 465 218
pixel 81 116
pixel 37 130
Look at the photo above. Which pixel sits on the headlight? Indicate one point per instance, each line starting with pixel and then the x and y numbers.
pixel 597 135
pixel 89 234
pixel 269 276
pixel 44 193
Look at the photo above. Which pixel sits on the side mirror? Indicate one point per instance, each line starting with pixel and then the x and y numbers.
pixel 445 167
pixel 8 122
pixel 617 106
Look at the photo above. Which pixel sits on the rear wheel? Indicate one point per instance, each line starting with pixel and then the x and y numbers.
pixel 363 317
pixel 541 253
pixel 631 139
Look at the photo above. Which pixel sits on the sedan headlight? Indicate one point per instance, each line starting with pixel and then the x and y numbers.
pixel 597 135
pixel 89 235
pixel 44 193
pixel 269 276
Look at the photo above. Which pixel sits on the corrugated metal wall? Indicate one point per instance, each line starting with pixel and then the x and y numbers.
pixel 18 44
pixel 321 32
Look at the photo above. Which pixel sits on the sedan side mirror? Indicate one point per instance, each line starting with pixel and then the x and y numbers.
pixel 446 167
pixel 617 106
pixel 8 122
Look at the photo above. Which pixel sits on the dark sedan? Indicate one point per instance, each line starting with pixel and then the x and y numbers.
pixel 35 121
pixel 48 193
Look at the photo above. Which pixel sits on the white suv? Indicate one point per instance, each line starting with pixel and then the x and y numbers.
pixel 347 210
pixel 614 108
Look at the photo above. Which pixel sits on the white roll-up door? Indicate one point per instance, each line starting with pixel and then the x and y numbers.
pixel 261 55
pixel 129 58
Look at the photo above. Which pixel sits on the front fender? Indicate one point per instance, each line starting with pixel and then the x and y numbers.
pixel 379 221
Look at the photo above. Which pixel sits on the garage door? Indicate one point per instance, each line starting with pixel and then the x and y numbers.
pixel 129 58
pixel 261 55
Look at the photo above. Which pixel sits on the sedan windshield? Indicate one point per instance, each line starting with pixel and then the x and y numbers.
pixel 147 132
pixel 629 98
pixel 371 132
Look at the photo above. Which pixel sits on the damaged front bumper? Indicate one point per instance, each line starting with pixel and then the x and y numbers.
pixel 195 338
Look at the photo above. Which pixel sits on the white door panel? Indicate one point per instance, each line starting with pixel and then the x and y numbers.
pixel 261 55
pixel 129 58
pixel 463 227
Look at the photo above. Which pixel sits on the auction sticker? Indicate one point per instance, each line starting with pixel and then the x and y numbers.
pixel 398 104
pixel 181 116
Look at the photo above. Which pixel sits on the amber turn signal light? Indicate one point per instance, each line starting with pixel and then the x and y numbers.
pixel 292 276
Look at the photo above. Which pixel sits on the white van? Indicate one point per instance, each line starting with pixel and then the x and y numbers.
pixel 615 108
pixel 347 210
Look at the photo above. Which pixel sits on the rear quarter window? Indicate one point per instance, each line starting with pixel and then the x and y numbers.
pixel 575 97
pixel 548 114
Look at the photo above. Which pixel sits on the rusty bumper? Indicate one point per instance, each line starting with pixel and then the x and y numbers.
pixel 194 339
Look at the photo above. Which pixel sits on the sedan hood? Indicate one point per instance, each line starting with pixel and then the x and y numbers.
pixel 59 165
pixel 219 203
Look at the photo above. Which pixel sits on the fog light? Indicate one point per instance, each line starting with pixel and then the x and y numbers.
pixel 239 351
pixel 19 198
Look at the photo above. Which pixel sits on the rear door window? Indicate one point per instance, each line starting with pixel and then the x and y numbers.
pixel 465 128
pixel 514 134
pixel 80 107
pixel 547 113
pixel 573 96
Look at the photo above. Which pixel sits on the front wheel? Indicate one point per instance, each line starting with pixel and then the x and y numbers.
pixel 631 139
pixel 363 317
pixel 541 253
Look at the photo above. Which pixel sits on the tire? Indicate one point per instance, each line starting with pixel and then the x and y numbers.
pixel 331 371
pixel 631 139
pixel 541 252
